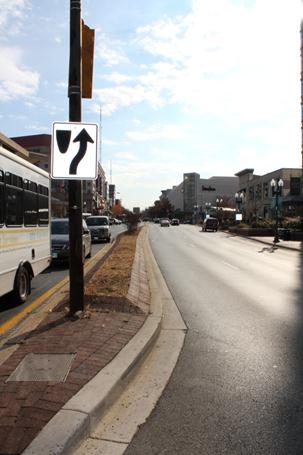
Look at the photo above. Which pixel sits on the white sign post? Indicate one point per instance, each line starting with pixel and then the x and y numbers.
pixel 74 151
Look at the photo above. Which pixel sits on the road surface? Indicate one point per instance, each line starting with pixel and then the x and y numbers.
pixel 238 385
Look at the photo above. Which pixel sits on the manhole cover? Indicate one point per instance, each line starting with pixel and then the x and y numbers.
pixel 43 367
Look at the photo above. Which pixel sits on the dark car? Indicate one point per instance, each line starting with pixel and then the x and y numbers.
pixel 210 224
pixel 60 239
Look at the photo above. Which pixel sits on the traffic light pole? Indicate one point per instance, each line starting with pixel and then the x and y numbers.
pixel 75 186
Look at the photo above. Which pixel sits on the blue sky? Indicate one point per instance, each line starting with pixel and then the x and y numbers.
pixel 207 86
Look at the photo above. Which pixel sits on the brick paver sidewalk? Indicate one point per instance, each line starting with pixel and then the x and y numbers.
pixel 95 338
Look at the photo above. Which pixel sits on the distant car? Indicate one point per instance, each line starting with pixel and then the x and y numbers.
pixel 210 224
pixel 175 222
pixel 164 222
pixel 60 239
pixel 99 227
pixel 156 220
pixel 116 221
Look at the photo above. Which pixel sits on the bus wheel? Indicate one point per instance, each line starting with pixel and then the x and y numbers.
pixel 22 285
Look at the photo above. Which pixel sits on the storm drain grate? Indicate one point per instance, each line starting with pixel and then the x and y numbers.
pixel 43 367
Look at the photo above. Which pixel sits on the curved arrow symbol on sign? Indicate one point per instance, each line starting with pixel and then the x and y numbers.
pixel 83 137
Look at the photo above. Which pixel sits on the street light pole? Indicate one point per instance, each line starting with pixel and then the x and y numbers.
pixel 277 186
pixel 75 186
pixel 219 204
pixel 239 200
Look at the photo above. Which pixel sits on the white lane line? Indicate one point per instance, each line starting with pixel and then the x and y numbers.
pixel 230 265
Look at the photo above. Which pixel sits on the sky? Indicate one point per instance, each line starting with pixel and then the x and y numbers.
pixel 206 86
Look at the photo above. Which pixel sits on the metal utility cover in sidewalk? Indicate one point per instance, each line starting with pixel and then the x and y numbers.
pixel 43 367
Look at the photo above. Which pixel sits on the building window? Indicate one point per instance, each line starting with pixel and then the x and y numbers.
pixel 251 193
pixel 295 186
pixel 258 191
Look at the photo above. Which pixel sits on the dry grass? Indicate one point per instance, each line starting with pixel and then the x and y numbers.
pixel 113 278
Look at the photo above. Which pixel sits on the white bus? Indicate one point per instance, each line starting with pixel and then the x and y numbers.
pixel 24 224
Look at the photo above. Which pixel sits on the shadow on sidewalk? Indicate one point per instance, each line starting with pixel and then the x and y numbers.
pixel 60 320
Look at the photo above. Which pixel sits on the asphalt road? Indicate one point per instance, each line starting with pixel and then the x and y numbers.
pixel 238 385
pixel 46 280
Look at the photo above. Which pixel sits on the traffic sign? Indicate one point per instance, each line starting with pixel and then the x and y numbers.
pixel 74 151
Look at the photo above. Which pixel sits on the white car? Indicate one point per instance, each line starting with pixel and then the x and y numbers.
pixel 99 226
pixel 164 222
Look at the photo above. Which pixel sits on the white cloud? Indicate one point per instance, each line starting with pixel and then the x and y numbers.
pixel 156 132
pixel 113 98
pixel 109 142
pixel 11 10
pixel 16 80
pixel 125 156
pixel 116 77
pixel 221 59
pixel 111 52
pixel 62 84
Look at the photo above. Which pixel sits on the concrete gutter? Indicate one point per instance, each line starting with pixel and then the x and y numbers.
pixel 78 417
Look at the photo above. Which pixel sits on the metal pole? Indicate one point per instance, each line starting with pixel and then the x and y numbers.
pixel 276 239
pixel 75 186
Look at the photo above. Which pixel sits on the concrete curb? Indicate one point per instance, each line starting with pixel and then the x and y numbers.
pixel 76 420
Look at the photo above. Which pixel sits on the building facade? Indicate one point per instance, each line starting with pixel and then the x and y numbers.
pixel 258 199
pixel 194 194
pixel 13 147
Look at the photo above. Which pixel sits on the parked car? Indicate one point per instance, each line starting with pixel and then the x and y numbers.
pixel 116 221
pixel 210 224
pixel 156 220
pixel 85 215
pixel 60 239
pixel 164 222
pixel 175 222
pixel 99 227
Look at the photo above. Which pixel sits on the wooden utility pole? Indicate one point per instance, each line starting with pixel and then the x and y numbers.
pixel 75 186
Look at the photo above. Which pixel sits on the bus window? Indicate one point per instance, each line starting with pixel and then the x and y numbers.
pixel 13 200
pixel 30 206
pixel 1 198
pixel 43 215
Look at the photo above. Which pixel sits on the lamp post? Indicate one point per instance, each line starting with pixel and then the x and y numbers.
pixel 219 202
pixel 276 186
pixel 207 207
pixel 239 197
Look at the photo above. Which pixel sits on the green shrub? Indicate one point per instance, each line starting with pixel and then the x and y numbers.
pixel 295 224
pixel 263 223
